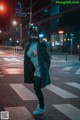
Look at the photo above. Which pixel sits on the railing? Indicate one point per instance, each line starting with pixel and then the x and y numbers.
pixel 16 49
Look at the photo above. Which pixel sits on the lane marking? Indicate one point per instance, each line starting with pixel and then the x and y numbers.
pixel 62 93
pixel 23 92
pixel 73 84
pixel 19 113
pixel 69 110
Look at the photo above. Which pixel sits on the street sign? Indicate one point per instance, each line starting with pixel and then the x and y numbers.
pixel 19 6
pixel 21 14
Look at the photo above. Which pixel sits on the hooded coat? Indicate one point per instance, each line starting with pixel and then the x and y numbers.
pixel 44 63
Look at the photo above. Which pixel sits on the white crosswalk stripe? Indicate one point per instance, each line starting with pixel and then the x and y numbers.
pixel 1 52
pixel 69 110
pixel 19 113
pixel 67 68
pixel 23 92
pixel 62 93
pixel 78 71
pixel 11 59
pixel 73 84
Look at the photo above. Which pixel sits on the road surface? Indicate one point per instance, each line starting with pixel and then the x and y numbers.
pixel 18 100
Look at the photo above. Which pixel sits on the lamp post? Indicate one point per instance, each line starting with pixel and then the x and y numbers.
pixel 20 25
pixel 71 46
pixel 78 46
pixel 20 34
pixel 71 43
pixel 30 12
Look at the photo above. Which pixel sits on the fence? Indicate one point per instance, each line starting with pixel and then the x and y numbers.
pixel 16 49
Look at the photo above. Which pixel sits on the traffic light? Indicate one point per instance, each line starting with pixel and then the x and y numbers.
pixel 19 6
pixel 1 7
pixel 34 27
pixel 41 35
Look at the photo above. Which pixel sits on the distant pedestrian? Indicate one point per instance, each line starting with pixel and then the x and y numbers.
pixel 36 68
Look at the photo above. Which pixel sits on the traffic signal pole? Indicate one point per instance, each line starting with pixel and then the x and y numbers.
pixel 20 33
pixel 30 21
pixel 20 14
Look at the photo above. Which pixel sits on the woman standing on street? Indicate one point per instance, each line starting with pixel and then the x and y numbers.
pixel 36 68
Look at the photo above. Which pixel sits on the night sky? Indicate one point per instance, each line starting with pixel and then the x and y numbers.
pixel 5 16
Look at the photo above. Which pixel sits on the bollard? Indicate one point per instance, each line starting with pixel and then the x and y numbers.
pixel 66 57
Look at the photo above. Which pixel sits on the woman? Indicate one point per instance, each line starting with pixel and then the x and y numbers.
pixel 36 68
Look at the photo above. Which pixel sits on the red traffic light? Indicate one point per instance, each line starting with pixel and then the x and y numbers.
pixel 1 7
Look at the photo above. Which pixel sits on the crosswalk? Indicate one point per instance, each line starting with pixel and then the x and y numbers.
pixel 59 91
pixel 19 113
pixel 74 84
pixel 10 59
pixel 23 92
pixel 78 71
pixel 64 67
pixel 67 109
pixel 68 68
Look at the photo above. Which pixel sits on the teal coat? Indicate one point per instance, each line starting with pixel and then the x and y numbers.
pixel 44 63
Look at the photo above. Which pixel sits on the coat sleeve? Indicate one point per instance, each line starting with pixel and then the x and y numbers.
pixel 28 67
pixel 44 62
pixel 45 55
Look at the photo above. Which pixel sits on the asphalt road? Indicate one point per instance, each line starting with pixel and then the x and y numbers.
pixel 18 100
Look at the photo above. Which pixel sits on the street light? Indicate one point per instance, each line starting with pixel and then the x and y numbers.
pixel 15 23
pixel 0 31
